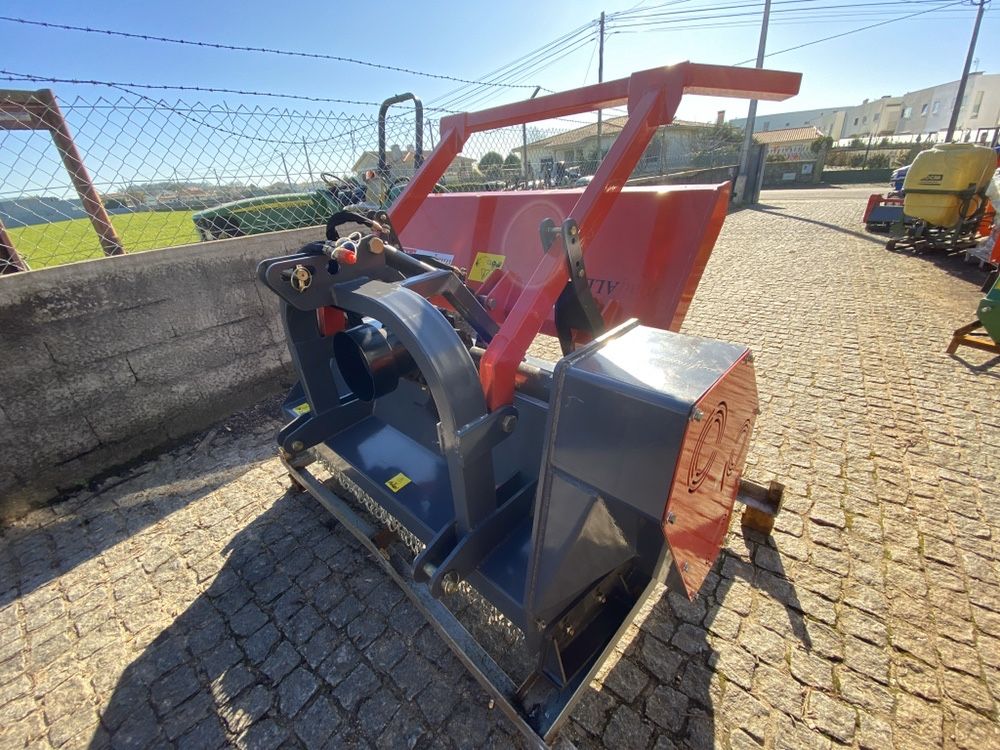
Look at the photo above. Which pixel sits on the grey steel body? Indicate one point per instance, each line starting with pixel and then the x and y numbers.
pixel 551 510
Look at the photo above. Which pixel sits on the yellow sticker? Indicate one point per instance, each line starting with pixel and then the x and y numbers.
pixel 484 265
pixel 398 482
pixel 301 409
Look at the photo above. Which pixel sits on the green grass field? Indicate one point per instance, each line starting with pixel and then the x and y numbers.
pixel 61 242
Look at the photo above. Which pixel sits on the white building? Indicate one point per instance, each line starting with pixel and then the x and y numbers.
pixel 829 120
pixel 924 113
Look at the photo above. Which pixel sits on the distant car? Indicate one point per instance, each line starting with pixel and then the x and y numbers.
pixel 583 181
pixel 272 213
pixel 897 179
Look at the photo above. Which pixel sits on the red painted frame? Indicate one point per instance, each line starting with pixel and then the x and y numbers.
pixel 651 97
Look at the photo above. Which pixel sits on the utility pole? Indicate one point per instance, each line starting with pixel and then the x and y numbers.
pixel 965 74
pixel 741 175
pixel 600 79
pixel 524 143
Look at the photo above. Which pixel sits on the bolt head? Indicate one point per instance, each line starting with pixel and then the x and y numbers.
pixel 449 584
pixel 671 517
pixel 697 415
pixel 508 423
pixel 297 445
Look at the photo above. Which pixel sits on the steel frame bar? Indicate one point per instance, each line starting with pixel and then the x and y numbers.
pixel 10 260
pixel 38 110
pixel 652 97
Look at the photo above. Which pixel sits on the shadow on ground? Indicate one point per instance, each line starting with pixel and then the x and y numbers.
pixel 33 552
pixel 670 687
pixel 300 640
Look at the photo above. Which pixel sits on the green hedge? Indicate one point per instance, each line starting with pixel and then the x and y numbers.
pixel 855 176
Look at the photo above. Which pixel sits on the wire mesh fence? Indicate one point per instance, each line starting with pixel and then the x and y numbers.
pixel 173 173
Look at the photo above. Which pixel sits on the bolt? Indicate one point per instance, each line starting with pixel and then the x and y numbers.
pixel 574 230
pixel 750 358
pixel 601 597
pixel 569 630
pixel 508 423
pixel 297 445
pixel 541 624
pixel 449 584
pixel 580 273
pixel 671 517
pixel 987 308
pixel 685 567
pixel 491 303
pixel 697 415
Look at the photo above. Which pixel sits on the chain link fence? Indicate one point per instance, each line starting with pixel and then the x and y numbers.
pixel 173 173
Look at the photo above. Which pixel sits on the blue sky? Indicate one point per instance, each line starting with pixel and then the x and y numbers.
pixel 470 39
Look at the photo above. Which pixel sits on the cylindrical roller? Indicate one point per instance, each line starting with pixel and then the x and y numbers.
pixel 370 360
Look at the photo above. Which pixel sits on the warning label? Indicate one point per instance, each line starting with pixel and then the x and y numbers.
pixel 398 482
pixel 484 265
pixel 301 409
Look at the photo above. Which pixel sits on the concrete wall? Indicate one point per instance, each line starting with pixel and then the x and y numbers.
pixel 105 360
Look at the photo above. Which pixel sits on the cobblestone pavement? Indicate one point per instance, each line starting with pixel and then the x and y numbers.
pixel 195 601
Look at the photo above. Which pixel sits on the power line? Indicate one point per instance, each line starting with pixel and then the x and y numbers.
pixel 854 31
pixel 243 48
pixel 507 71
pixel 10 75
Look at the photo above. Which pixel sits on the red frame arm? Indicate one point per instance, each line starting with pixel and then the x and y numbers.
pixel 652 97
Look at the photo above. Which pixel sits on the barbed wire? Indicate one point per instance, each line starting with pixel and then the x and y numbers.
pixel 247 48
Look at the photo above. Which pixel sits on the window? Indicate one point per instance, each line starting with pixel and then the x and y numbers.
pixel 864 120
pixel 923 110
pixel 907 111
pixel 855 120
pixel 977 104
pixel 936 107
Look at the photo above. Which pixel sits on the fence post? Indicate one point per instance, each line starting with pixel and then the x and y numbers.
pixel 54 121
pixel 10 260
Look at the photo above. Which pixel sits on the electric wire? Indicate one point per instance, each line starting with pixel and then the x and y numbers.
pixel 244 48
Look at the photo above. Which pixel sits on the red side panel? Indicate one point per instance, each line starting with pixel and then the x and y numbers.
pixel 708 473
pixel 647 257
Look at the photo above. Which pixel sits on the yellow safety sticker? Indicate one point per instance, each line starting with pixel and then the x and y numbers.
pixel 398 482
pixel 484 265
pixel 301 409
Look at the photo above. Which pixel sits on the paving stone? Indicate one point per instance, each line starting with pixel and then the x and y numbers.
pixel 264 735
pixel 259 645
pixel 378 711
pixel 296 690
pixel 282 661
pixel 358 685
pixel 318 723
pixel 831 717
pixel 626 680
pixel 667 707
pixel 627 729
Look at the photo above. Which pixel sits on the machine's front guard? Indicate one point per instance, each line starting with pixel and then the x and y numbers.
pixel 651 97
pixel 536 713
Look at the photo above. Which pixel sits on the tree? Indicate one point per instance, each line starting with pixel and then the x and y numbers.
pixel 491 164
pixel 821 144
pixel 512 163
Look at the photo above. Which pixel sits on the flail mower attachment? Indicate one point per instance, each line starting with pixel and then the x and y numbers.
pixel 561 493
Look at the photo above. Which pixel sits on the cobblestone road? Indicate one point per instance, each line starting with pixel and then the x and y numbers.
pixel 195 602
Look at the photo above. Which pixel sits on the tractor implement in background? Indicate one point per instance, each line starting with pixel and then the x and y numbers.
pixel 563 493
